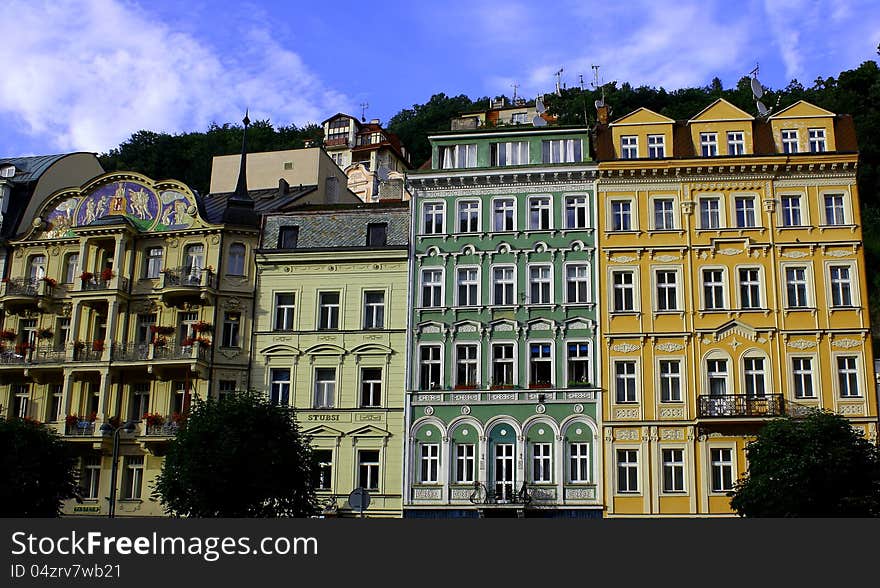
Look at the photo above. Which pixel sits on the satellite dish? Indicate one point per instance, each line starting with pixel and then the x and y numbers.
pixel 539 105
pixel 599 104
pixel 539 122
pixel 757 89
pixel 762 110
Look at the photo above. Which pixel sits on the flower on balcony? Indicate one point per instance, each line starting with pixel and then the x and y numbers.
pixel 202 327
pixel 5 280
pixel 79 345
pixel 98 345
pixel 50 281
pixel 466 386
pixel 45 333
pixel 162 329
pixel 86 276
pixel 107 274
pixel 154 419
pixel 583 383
pixel 23 348
pixel 8 335
pixel 92 417
pixel 539 385
pixel 178 418
pixel 71 420
pixel 501 386
pixel 203 341
pixel 188 342
pixel 160 341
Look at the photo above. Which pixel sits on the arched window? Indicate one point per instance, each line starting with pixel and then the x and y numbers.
pixel 71 267
pixel 37 268
pixel 193 262
pixel 236 260
pixel 152 262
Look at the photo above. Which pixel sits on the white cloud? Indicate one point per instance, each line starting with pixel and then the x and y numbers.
pixel 86 74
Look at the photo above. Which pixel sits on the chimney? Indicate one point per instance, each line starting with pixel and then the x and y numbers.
pixel 602 114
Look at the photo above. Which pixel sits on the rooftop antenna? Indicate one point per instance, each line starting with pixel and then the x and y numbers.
pixel 558 81
pixel 514 85
pixel 758 92
pixel 364 107
pixel 597 85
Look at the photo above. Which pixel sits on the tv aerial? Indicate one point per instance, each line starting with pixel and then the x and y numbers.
pixel 364 107
pixel 597 84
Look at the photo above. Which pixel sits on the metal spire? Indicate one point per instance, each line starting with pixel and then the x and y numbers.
pixel 241 190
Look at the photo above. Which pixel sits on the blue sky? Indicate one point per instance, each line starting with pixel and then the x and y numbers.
pixel 85 74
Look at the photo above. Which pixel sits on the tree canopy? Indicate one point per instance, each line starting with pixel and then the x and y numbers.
pixel 239 457
pixel 818 466
pixel 38 470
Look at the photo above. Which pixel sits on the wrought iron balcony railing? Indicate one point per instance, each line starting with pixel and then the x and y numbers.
pixel 130 351
pixel 191 277
pixel 740 405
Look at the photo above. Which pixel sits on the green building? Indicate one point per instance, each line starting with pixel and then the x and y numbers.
pixel 502 390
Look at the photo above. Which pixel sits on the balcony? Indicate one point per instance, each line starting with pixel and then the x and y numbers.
pixel 79 428
pixel 98 284
pixel 196 351
pixel 88 351
pixel 740 406
pixel 337 141
pixel 41 355
pixel 188 284
pixel 22 293
pixel 130 351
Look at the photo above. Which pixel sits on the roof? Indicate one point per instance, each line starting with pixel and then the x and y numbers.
pixel 342 226
pixel 267 200
pixel 29 169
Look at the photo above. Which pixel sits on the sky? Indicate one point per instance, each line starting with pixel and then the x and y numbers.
pixel 86 74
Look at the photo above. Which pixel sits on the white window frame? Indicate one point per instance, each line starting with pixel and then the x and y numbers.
pixel 500 205
pixel 579 470
pixel 706 221
pixel 458 156
pixel 90 481
pixel 632 288
pixel 437 209
pixel 551 360
pixel 511 361
pixel 544 283
pixel 625 395
pixel 423 363
pixel 838 286
pixel 435 286
pixel 801 374
pixel 586 359
pixel 787 212
pixel 541 462
pixel 665 287
pixel 278 386
pixel 324 391
pixel 562 151
pixel 579 205
pixel 133 477
pixel 753 286
pixel 329 306
pixel 709 144
pixel 717 368
pixel 285 312
pixel 736 143
pixel 789 140
pixel 750 217
pixel 808 294
pixel 374 311
pixel 630 467
pixel 471 364
pixel 541 204
pixel 504 153
pixel 722 462
pixel 465 463
pixel 504 282
pixel 429 463
pixel 371 387
pixel 473 209
pixel 656 146
pixel 629 147
pixel 580 282
pixel 751 376
pixel 817 140
pixel 847 377
pixel 370 466
pixel 471 282
pixel 672 470
pixel 621 215
pixel 722 284
pixel 840 216
pixel 664 214
pixel 665 379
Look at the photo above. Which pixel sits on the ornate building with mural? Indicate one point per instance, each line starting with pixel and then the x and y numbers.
pixel 734 292
pixel 503 389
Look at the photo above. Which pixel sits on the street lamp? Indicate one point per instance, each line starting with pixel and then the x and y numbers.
pixel 107 429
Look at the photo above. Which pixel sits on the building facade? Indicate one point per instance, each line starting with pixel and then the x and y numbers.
pixel 330 340
pixel 502 391
pixel 734 292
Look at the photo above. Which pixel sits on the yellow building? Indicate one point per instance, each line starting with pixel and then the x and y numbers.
pixel 330 340
pixel 734 291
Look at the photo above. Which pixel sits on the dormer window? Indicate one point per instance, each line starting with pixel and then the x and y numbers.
pixel 817 140
pixel 736 144
pixel 789 141
pixel 629 147
pixel 656 146
pixel 7 171
pixel 709 144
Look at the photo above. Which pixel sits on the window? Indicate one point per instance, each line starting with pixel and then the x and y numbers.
pixel 152 262
pixel 325 387
pixel 519 118
pixel 466 365
pixel 186 322
pixel 514 153
pixel 673 470
pixel 226 389
pixel 504 211
pixel 279 386
pixel 432 218
pixel 71 267
pixel 802 372
pixel 656 146
pixel 20 397
pixel 288 237
pixel 561 151
pixel 540 213
pixel 323 470
pixel 371 387
pixel 56 404
pixel 540 364
pixel 193 262
pixel 181 398
pixel 432 287
pixel 745 211
pixel 132 477
pixel 578 463
pixel 624 381
pixel 670 380
pixel 368 469
pixel 621 215
pixel 817 140
pixel 841 286
pixel 834 212
pixel 541 465
pixel 429 461
pixel 576 212
pixel 667 290
pixel 579 373
pixel 231 329
pixel 713 289
pixel 458 156
pixel 502 364
pixel 722 470
pixel 629 147
pixel 664 217
pixel 374 309
pixel 577 283
pixel 468 286
pixel 627 470
pixel 753 369
pixel 429 367
pixel 90 476
pixel 284 308
pixel 709 144
pixel 465 461
pixel 140 400
pixel 236 260
pixel 749 287
pixel 716 374
pixel 504 282
pixel 848 376
pixel 145 323
pixel 468 216
pixel 736 143
pixel 710 213
pixel 377 234
pixel 328 310
pixel 539 284
pixel 796 287
pixel 789 141
pixel 63 335
pixel 791 211
pixel 624 291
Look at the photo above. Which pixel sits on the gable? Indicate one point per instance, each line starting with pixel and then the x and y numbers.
pixel 322 431
pixel 369 431
pixel 721 109
pixel 642 116
pixel 280 349
pixel 802 109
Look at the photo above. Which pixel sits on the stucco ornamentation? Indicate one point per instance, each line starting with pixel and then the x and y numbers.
pixel 623 258
pixel 667 258
pixel 846 343
pixel 670 412
pixel 672 434
pixel 795 254
pixel 626 434
pixel 669 347
pixel 801 344
pixel 578 408
pixel 580 493
pixel 625 347
pixel 730 251
pixel 429 410
pixel 626 413
pixel 837 253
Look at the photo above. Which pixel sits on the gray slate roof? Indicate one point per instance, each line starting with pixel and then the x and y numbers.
pixel 29 169
pixel 340 227
pixel 265 201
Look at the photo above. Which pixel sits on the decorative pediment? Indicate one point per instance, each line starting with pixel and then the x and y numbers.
pixel 540 325
pixel 467 327
pixel 372 349
pixel 579 323
pixel 369 431
pixel 280 349
pixel 801 109
pixel 502 326
pixel 719 110
pixel 736 328
pixel 429 328
pixel 325 349
pixel 322 431
pixel 642 116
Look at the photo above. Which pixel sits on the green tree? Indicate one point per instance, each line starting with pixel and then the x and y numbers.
pixel 817 466
pixel 239 457
pixel 38 470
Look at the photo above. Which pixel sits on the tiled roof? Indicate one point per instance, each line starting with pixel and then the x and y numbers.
pixel 328 227
pixel 265 201
pixel 29 169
